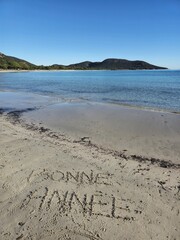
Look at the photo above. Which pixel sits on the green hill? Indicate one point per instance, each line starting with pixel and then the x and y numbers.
pixel 8 62
pixel 114 64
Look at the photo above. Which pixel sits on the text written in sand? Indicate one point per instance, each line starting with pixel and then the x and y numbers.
pixel 76 177
pixel 67 202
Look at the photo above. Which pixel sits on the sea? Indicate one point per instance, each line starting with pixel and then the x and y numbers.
pixel 152 89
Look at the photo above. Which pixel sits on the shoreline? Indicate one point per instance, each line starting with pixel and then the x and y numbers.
pixel 149 133
pixel 16 71
pixel 59 99
pixel 142 132
pixel 18 118
pixel 69 70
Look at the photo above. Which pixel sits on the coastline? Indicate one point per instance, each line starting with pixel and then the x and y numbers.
pixel 138 130
pixel 69 70
pixel 56 99
pixel 109 87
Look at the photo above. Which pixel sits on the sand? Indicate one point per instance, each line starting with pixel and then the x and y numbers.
pixel 147 133
pixel 72 179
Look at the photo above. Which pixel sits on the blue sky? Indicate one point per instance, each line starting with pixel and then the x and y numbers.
pixel 69 31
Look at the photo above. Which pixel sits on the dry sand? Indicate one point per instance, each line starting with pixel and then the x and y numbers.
pixel 72 181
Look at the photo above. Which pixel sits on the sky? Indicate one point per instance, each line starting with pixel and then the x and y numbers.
pixel 70 31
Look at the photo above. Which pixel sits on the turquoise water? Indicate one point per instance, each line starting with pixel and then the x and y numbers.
pixel 152 89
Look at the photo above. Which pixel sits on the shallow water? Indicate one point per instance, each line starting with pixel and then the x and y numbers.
pixel 147 89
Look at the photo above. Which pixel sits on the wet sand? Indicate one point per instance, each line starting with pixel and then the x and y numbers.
pixel 140 132
pixel 89 171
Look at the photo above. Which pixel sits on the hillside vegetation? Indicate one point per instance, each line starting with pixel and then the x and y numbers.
pixel 8 62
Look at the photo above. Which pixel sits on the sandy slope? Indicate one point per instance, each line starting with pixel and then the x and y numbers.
pixel 55 187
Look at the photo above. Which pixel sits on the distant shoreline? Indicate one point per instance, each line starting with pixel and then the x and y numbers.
pixel 72 70
pixel 43 70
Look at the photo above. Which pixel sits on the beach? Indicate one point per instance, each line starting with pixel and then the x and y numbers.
pixel 90 120
pixel 78 170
